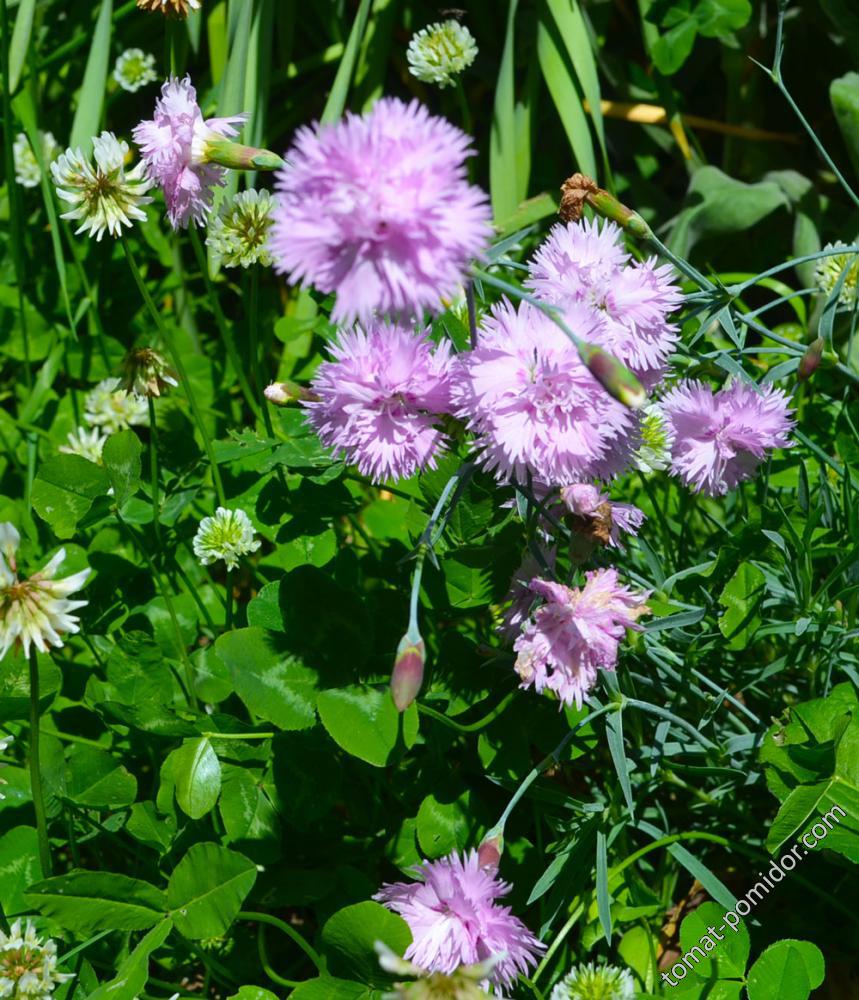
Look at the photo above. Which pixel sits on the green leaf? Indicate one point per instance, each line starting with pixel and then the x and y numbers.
pixel 844 97
pixel 348 939
pixel 719 17
pixel 365 723
pixel 603 897
pixel 328 988
pixel 92 93
pixel 133 972
pixel 506 187
pixel 197 773
pixel 442 827
pixel 273 684
pixel 88 902
pixel 20 42
pixel 247 813
pixel 614 736
pixel 207 889
pixel 787 970
pixel 729 957
pixel 741 596
pixel 336 102
pixel 19 866
pixel 97 780
pixel 253 993
pixel 122 460
pixel 64 491
pixel 674 47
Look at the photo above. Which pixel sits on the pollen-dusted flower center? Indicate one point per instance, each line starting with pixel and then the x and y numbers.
pixel 18 962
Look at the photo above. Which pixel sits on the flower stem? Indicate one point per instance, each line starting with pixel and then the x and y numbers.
pixel 36 771
pixel 153 467
pixel 178 364
pixel 228 621
pixel 266 918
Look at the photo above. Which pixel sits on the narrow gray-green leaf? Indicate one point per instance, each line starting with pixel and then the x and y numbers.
pixel 614 735
pixel 91 97
pixel 603 898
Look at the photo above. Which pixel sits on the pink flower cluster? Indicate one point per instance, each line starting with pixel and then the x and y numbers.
pixel 455 920
pixel 172 145
pixel 380 398
pixel 378 209
pixel 575 633
pixel 629 302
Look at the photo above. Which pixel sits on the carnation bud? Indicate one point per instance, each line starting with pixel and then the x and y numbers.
pixel 285 393
pixel 408 673
pixel 613 376
pixel 490 850
pixel 810 360
pixel 580 190
pixel 217 149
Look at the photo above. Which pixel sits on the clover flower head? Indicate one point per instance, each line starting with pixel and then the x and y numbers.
pixel 463 984
pixel 586 263
pixel 657 439
pixel 174 144
pixel 27 170
pixel 534 407
pixel 380 397
pixel 829 270
pixel 378 209
pixel 134 69
pixel 103 195
pixel 228 535
pixel 599 518
pixel 86 442
pixel 35 611
pixel 5 742
pixel 178 8
pixel 455 920
pixel 720 438
pixel 440 52
pixel 576 633
pixel 595 982
pixel 28 965
pixel 113 409
pixel 238 235
pixel 145 373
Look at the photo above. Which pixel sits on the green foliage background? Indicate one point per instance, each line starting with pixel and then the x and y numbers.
pixel 232 836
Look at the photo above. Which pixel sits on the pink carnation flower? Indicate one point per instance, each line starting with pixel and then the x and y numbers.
pixel 721 438
pixel 520 594
pixel 630 301
pixel 173 146
pixel 378 209
pixel 380 397
pixel 588 502
pixel 533 405
pixel 576 633
pixel 455 920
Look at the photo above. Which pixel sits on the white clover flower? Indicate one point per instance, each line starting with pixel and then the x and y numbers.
pixel 657 439
pixel 134 69
pixel 4 746
pixel 27 172
pixel 34 611
pixel 28 966
pixel 228 535
pixel 103 197
pixel 113 409
pixel 463 984
pixel 89 444
pixel 591 982
pixel 828 271
pixel 146 373
pixel 238 235
pixel 440 52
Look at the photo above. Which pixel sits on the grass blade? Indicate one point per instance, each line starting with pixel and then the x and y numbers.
pixel 603 898
pixel 336 102
pixel 614 735
pixel 20 42
pixel 91 97
pixel 504 183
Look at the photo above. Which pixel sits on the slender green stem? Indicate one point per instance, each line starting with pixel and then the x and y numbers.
pixel 178 364
pixel 224 326
pixel 153 468
pixel 267 918
pixel 472 727
pixel 228 616
pixel 36 769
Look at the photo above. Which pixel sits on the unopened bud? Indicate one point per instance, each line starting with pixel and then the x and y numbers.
pixel 613 376
pixel 285 393
pixel 217 149
pixel 490 850
pixel 810 360
pixel 408 673
pixel 580 190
